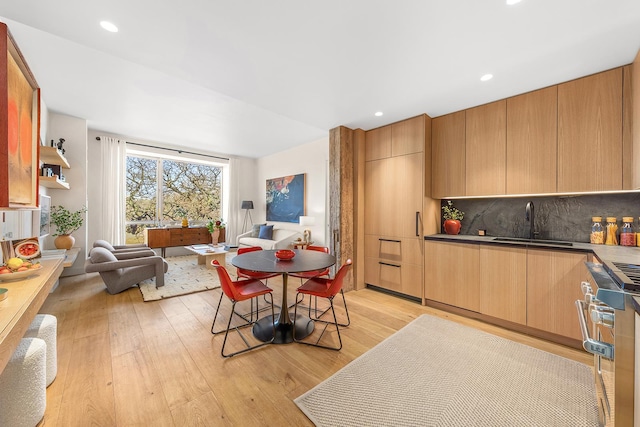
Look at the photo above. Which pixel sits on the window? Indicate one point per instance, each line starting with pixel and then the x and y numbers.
pixel 163 191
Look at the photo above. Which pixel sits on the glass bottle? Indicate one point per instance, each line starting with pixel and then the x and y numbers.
pixel 627 233
pixel 638 233
pixel 597 231
pixel 612 229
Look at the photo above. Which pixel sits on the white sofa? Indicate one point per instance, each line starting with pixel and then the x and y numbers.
pixel 281 239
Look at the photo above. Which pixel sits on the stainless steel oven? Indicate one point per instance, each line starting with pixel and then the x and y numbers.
pixel 607 321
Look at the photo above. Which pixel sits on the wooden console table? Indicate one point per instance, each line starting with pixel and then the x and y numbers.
pixel 184 236
pixel 24 299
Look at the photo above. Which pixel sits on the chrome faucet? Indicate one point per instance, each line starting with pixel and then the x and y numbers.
pixel 529 215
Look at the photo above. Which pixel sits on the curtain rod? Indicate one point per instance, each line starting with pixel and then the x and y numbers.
pixel 171 149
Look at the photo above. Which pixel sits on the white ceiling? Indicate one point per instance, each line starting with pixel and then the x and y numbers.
pixel 254 77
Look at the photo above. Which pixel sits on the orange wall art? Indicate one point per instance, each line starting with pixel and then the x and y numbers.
pixel 20 140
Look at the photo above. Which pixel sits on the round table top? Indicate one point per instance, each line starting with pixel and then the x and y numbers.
pixel 266 261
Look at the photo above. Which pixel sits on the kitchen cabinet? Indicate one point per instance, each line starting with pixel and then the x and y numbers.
pixel 572 137
pixel 536 288
pixel 590 133
pixel 503 283
pixel 448 155
pixel 486 148
pixel 532 130
pixel 378 143
pixel 451 274
pixel 53 156
pixel 407 136
pixel 393 201
pixel 553 286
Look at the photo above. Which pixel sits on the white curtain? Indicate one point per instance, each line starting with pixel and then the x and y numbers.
pixel 233 226
pixel 114 157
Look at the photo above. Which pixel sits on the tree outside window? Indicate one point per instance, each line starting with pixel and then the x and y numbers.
pixel 162 191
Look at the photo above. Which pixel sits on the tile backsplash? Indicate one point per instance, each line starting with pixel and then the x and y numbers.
pixel 556 217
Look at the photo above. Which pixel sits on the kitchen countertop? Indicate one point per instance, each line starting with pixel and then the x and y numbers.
pixel 628 254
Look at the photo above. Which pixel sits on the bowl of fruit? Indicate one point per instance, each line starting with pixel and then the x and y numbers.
pixel 18 268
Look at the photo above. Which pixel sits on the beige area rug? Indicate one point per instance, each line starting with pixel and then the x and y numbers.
pixel 184 277
pixel 436 372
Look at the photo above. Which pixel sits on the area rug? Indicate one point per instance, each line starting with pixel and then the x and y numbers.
pixel 436 372
pixel 185 276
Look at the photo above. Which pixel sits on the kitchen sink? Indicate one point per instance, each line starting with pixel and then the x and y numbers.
pixel 533 241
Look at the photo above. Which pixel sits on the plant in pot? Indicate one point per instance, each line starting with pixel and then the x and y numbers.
pixel 66 222
pixel 214 228
pixel 452 217
pixel 182 213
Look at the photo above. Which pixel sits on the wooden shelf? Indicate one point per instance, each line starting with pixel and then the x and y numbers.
pixel 52 156
pixel 54 182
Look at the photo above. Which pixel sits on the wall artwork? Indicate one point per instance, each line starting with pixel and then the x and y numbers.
pixel 285 198
pixel 19 148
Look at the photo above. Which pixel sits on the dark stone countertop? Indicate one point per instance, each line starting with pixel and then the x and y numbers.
pixel 628 254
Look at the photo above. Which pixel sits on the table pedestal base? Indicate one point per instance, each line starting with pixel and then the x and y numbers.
pixel 263 329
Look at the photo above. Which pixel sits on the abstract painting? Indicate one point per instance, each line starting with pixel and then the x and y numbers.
pixel 285 198
pixel 20 149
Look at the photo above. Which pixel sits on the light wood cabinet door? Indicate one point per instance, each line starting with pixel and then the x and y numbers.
pixel 590 133
pixel 486 149
pixel 378 190
pixel 532 131
pixel 448 155
pixel 407 136
pixel 377 143
pixel 451 274
pixel 553 286
pixel 407 199
pixel 503 283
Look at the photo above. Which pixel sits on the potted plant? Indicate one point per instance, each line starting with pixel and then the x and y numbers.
pixel 66 222
pixel 214 228
pixel 452 217
pixel 182 213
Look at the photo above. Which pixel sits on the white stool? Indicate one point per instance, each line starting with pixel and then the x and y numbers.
pixel 23 391
pixel 45 327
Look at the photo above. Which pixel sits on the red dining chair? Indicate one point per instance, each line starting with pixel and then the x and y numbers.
pixel 237 291
pixel 250 274
pixel 324 288
pixel 306 275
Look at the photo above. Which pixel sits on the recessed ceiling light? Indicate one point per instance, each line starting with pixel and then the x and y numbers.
pixel 378 114
pixel 109 26
pixel 486 77
pixel 511 2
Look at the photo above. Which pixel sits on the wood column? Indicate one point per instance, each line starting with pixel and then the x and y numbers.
pixel 342 199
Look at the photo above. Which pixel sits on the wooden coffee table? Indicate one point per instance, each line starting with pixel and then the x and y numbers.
pixel 207 253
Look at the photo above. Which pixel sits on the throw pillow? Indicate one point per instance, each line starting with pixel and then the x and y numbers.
pixel 266 232
pixel 255 230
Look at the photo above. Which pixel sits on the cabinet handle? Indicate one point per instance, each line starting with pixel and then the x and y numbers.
pixel 417 224
pixel 390 240
pixel 387 264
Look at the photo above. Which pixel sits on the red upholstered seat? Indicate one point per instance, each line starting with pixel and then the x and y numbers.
pixel 236 291
pixel 325 288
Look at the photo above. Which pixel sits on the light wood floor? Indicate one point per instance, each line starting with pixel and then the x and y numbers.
pixel 125 362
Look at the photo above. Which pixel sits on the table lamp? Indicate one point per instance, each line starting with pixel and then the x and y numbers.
pixel 307 221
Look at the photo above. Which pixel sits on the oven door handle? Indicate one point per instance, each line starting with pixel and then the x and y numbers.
pixel 596 347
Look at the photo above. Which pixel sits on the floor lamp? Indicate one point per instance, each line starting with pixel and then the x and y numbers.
pixel 247 205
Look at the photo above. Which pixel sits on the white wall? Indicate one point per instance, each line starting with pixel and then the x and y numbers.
pixel 312 159
pixel 74 131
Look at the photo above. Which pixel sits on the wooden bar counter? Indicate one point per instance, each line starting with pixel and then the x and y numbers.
pixel 24 299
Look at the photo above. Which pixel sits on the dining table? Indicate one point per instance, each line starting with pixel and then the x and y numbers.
pixel 265 261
